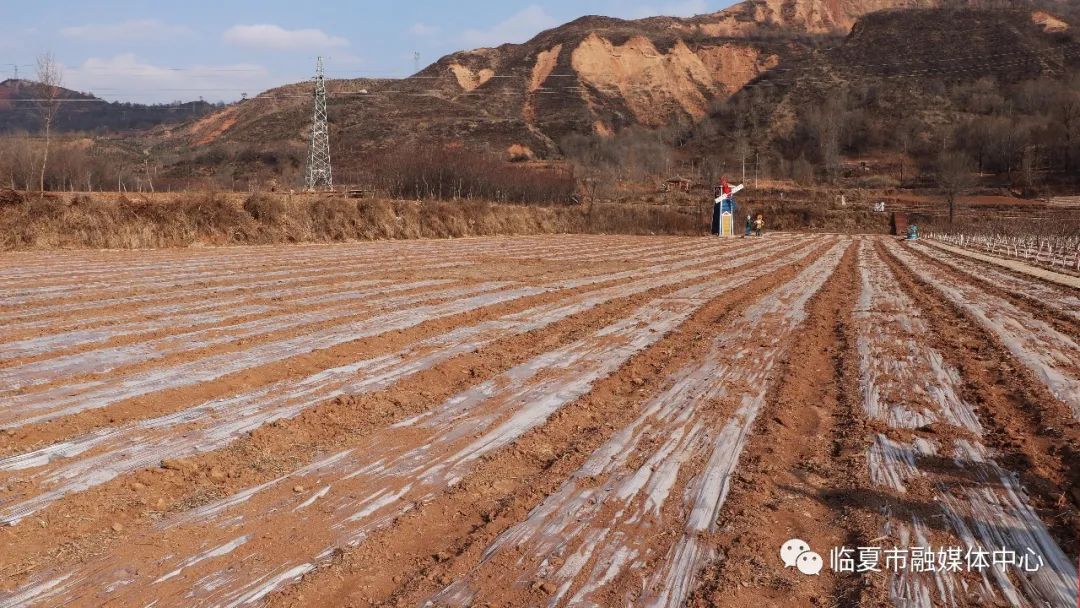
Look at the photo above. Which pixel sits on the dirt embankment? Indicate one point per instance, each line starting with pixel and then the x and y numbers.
pixel 220 219
pixel 184 219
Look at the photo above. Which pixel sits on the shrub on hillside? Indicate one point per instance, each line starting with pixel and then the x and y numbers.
pixel 268 209
pixel 334 219
pixel 210 213
pixel 458 174
pixel 47 206
pixel 10 197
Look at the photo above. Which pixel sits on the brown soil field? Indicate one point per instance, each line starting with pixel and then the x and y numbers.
pixel 547 420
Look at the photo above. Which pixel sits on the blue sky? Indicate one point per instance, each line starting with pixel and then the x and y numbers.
pixel 160 52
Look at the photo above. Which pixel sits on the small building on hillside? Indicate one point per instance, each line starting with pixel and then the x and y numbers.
pixel 677 184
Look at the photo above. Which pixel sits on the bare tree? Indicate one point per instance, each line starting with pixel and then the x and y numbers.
pixel 50 76
pixel 146 168
pixel 1067 112
pixel 955 175
pixel 1029 166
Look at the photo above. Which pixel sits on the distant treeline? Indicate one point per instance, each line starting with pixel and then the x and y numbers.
pixel 97 116
pixel 83 164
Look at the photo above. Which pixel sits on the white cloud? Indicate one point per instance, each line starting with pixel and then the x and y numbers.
pixel 125 78
pixel 126 31
pixel 686 8
pixel 277 38
pixel 423 30
pixel 519 27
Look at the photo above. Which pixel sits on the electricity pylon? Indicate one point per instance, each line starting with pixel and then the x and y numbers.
pixel 319 175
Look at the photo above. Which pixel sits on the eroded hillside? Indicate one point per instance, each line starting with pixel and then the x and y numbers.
pixel 594 74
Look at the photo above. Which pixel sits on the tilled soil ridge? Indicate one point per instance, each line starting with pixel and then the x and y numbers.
pixel 535 421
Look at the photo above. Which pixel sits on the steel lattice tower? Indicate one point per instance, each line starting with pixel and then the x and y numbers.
pixel 319 176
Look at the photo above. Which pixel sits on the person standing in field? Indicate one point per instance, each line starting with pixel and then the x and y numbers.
pixel 759 224
pixel 749 225
pixel 715 227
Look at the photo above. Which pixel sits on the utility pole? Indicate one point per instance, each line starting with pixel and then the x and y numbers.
pixel 319 176
pixel 15 68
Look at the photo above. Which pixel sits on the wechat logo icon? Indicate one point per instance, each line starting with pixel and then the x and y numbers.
pixel 796 553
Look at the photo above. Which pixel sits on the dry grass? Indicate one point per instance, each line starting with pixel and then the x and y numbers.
pixel 459 174
pixel 209 218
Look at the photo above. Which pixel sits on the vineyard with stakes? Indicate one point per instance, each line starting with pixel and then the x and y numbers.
pixel 557 420
pixel 1058 252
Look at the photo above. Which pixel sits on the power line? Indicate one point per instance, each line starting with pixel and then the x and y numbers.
pixel 154 69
